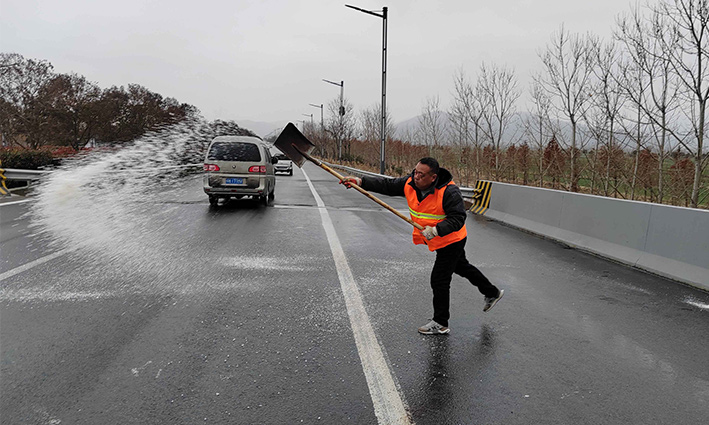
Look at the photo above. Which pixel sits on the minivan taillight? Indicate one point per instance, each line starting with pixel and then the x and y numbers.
pixel 257 169
pixel 211 167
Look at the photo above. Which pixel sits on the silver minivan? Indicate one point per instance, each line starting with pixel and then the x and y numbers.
pixel 238 166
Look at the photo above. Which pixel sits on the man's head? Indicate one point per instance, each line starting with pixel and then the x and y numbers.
pixel 425 173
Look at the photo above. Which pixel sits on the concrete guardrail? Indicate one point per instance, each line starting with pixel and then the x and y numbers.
pixel 665 240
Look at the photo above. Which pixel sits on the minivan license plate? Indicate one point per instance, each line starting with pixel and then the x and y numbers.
pixel 234 181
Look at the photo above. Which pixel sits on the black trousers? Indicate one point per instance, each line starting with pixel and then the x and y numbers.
pixel 451 259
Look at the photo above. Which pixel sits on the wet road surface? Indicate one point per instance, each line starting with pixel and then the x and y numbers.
pixel 163 310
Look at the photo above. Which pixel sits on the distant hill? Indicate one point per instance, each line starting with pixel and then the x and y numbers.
pixel 263 129
pixel 514 134
pixel 411 125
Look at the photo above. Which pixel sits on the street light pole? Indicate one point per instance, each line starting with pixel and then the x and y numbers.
pixel 322 123
pixel 384 15
pixel 322 128
pixel 342 111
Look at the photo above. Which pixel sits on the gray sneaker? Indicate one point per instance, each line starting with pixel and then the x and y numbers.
pixel 491 301
pixel 433 328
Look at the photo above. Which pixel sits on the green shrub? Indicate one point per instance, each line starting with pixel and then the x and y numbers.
pixel 25 159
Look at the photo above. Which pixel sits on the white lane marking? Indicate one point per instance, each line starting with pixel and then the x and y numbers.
pixel 388 404
pixel 22 201
pixel 35 263
pixel 693 302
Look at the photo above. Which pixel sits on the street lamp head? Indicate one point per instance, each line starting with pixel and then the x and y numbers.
pixel 341 83
pixel 370 12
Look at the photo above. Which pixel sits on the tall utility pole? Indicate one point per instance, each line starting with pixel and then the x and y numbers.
pixel 342 112
pixel 384 15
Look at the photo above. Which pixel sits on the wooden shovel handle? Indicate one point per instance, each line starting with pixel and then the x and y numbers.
pixel 362 191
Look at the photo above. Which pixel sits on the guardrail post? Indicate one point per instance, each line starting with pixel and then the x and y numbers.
pixel 481 197
pixel 3 189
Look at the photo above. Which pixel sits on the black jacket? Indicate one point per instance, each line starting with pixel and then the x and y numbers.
pixel 452 199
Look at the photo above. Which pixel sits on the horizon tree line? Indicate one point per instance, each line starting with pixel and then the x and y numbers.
pixel 604 116
pixel 40 108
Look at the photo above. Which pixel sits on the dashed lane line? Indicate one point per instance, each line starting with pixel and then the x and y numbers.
pixel 35 263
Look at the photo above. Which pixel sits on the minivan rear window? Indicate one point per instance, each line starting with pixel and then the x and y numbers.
pixel 234 151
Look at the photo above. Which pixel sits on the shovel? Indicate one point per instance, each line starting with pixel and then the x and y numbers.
pixel 297 147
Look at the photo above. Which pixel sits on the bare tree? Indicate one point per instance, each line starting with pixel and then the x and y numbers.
pixel 370 124
pixel 537 125
pixel 457 113
pixel 431 124
pixel 649 80
pixel 341 127
pixel 689 20
pixel 460 127
pixel 468 112
pixel 568 69
pixel 498 87
pixel 606 103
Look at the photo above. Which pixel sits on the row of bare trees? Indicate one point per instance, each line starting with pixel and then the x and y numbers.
pixel 599 113
pixel 39 107
pixel 644 91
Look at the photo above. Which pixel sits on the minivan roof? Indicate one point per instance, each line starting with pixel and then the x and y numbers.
pixel 238 139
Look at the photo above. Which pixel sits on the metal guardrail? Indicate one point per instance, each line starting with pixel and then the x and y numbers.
pixel 23 175
pixel 26 176
pixel 34 175
pixel 16 174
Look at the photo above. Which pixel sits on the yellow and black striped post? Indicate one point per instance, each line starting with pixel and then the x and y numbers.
pixel 3 188
pixel 481 197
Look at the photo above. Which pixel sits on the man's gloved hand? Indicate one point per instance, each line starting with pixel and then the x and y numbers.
pixel 351 179
pixel 430 232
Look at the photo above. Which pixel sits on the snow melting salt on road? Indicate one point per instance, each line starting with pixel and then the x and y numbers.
pixel 102 207
pixel 98 202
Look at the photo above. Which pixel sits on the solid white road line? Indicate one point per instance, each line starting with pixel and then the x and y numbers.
pixel 37 262
pixel 388 404
pixel 22 201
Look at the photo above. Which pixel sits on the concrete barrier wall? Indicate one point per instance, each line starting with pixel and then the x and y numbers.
pixel 669 241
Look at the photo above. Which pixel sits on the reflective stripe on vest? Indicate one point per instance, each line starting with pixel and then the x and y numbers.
pixel 425 216
pixel 429 212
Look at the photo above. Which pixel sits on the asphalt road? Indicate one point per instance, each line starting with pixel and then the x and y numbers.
pixel 162 310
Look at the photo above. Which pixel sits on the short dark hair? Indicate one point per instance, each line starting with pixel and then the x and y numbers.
pixel 432 164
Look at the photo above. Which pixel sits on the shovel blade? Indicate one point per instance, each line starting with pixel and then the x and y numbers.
pixel 291 142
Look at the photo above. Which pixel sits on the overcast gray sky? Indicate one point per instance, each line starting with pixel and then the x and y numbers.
pixel 264 60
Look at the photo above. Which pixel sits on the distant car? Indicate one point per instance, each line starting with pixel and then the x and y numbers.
pixel 284 164
pixel 238 166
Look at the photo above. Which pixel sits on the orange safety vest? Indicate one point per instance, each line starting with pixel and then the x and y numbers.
pixel 429 212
